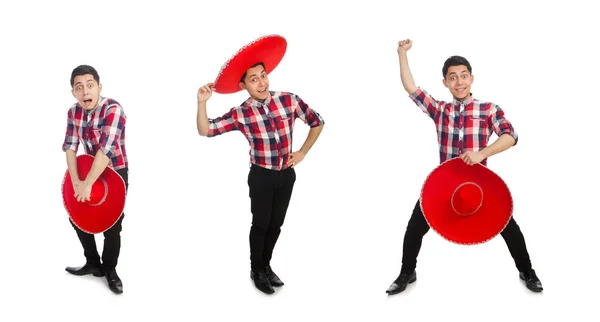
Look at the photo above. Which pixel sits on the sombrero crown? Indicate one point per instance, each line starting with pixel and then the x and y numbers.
pixel 466 204
pixel 268 50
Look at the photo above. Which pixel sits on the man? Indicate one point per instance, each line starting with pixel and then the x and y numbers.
pixel 464 127
pixel 266 119
pixel 99 123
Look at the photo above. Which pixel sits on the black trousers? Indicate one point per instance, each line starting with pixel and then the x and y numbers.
pixel 270 193
pixel 112 239
pixel 417 228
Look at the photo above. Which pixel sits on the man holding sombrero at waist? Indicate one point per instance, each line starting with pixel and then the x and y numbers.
pixel 96 182
pixel 266 119
pixel 462 199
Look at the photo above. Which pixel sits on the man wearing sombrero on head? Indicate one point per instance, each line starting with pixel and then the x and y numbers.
pixel 462 200
pixel 95 182
pixel 266 119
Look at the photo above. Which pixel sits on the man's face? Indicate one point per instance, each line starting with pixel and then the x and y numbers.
pixel 87 91
pixel 458 80
pixel 256 83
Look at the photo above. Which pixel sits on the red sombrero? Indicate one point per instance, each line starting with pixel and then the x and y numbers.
pixel 107 199
pixel 466 204
pixel 268 49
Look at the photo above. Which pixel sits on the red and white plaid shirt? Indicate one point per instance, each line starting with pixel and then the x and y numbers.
pixel 101 128
pixel 267 126
pixel 463 125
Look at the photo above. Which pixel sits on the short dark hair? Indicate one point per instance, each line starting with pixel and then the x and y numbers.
pixel 246 72
pixel 455 61
pixel 84 70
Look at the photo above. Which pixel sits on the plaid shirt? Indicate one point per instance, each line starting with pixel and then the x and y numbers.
pixel 267 126
pixel 463 125
pixel 102 128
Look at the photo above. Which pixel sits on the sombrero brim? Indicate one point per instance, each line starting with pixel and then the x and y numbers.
pixel 107 198
pixel 492 215
pixel 268 49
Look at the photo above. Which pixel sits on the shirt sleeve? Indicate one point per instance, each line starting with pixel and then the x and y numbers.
pixel 306 114
pixel 71 141
pixel 426 103
pixel 112 127
pixel 223 124
pixel 500 124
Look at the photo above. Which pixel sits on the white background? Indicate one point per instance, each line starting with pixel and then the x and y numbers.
pixel 185 252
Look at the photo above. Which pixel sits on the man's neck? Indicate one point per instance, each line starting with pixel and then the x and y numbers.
pixel 463 100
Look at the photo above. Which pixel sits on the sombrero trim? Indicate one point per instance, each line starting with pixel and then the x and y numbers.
pixel 453 241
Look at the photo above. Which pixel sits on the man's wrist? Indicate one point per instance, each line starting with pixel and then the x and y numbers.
pixel 487 152
pixel 88 181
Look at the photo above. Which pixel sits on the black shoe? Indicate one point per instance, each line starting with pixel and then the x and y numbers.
pixel 261 281
pixel 273 278
pixel 401 282
pixel 86 269
pixel 114 282
pixel 531 280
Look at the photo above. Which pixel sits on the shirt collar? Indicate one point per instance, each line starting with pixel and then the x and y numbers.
pixel 254 103
pixel 468 100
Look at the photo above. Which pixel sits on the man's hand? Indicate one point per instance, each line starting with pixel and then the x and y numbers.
pixel 295 158
pixel 82 190
pixel 205 92
pixel 404 45
pixel 472 157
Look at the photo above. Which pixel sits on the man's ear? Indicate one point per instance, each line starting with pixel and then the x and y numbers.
pixel 242 85
pixel 445 83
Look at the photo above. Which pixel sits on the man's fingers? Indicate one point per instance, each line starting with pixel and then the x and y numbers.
pixel 465 158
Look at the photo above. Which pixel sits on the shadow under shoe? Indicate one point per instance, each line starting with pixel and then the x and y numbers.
pixel 399 285
pixel 273 278
pixel 86 269
pixel 532 282
pixel 261 281
pixel 114 281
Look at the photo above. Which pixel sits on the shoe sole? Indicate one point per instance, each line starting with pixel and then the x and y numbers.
pixel 97 274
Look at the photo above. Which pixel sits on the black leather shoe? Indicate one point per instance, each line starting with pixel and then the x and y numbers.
pixel 273 278
pixel 114 282
pixel 261 281
pixel 531 280
pixel 401 282
pixel 86 269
